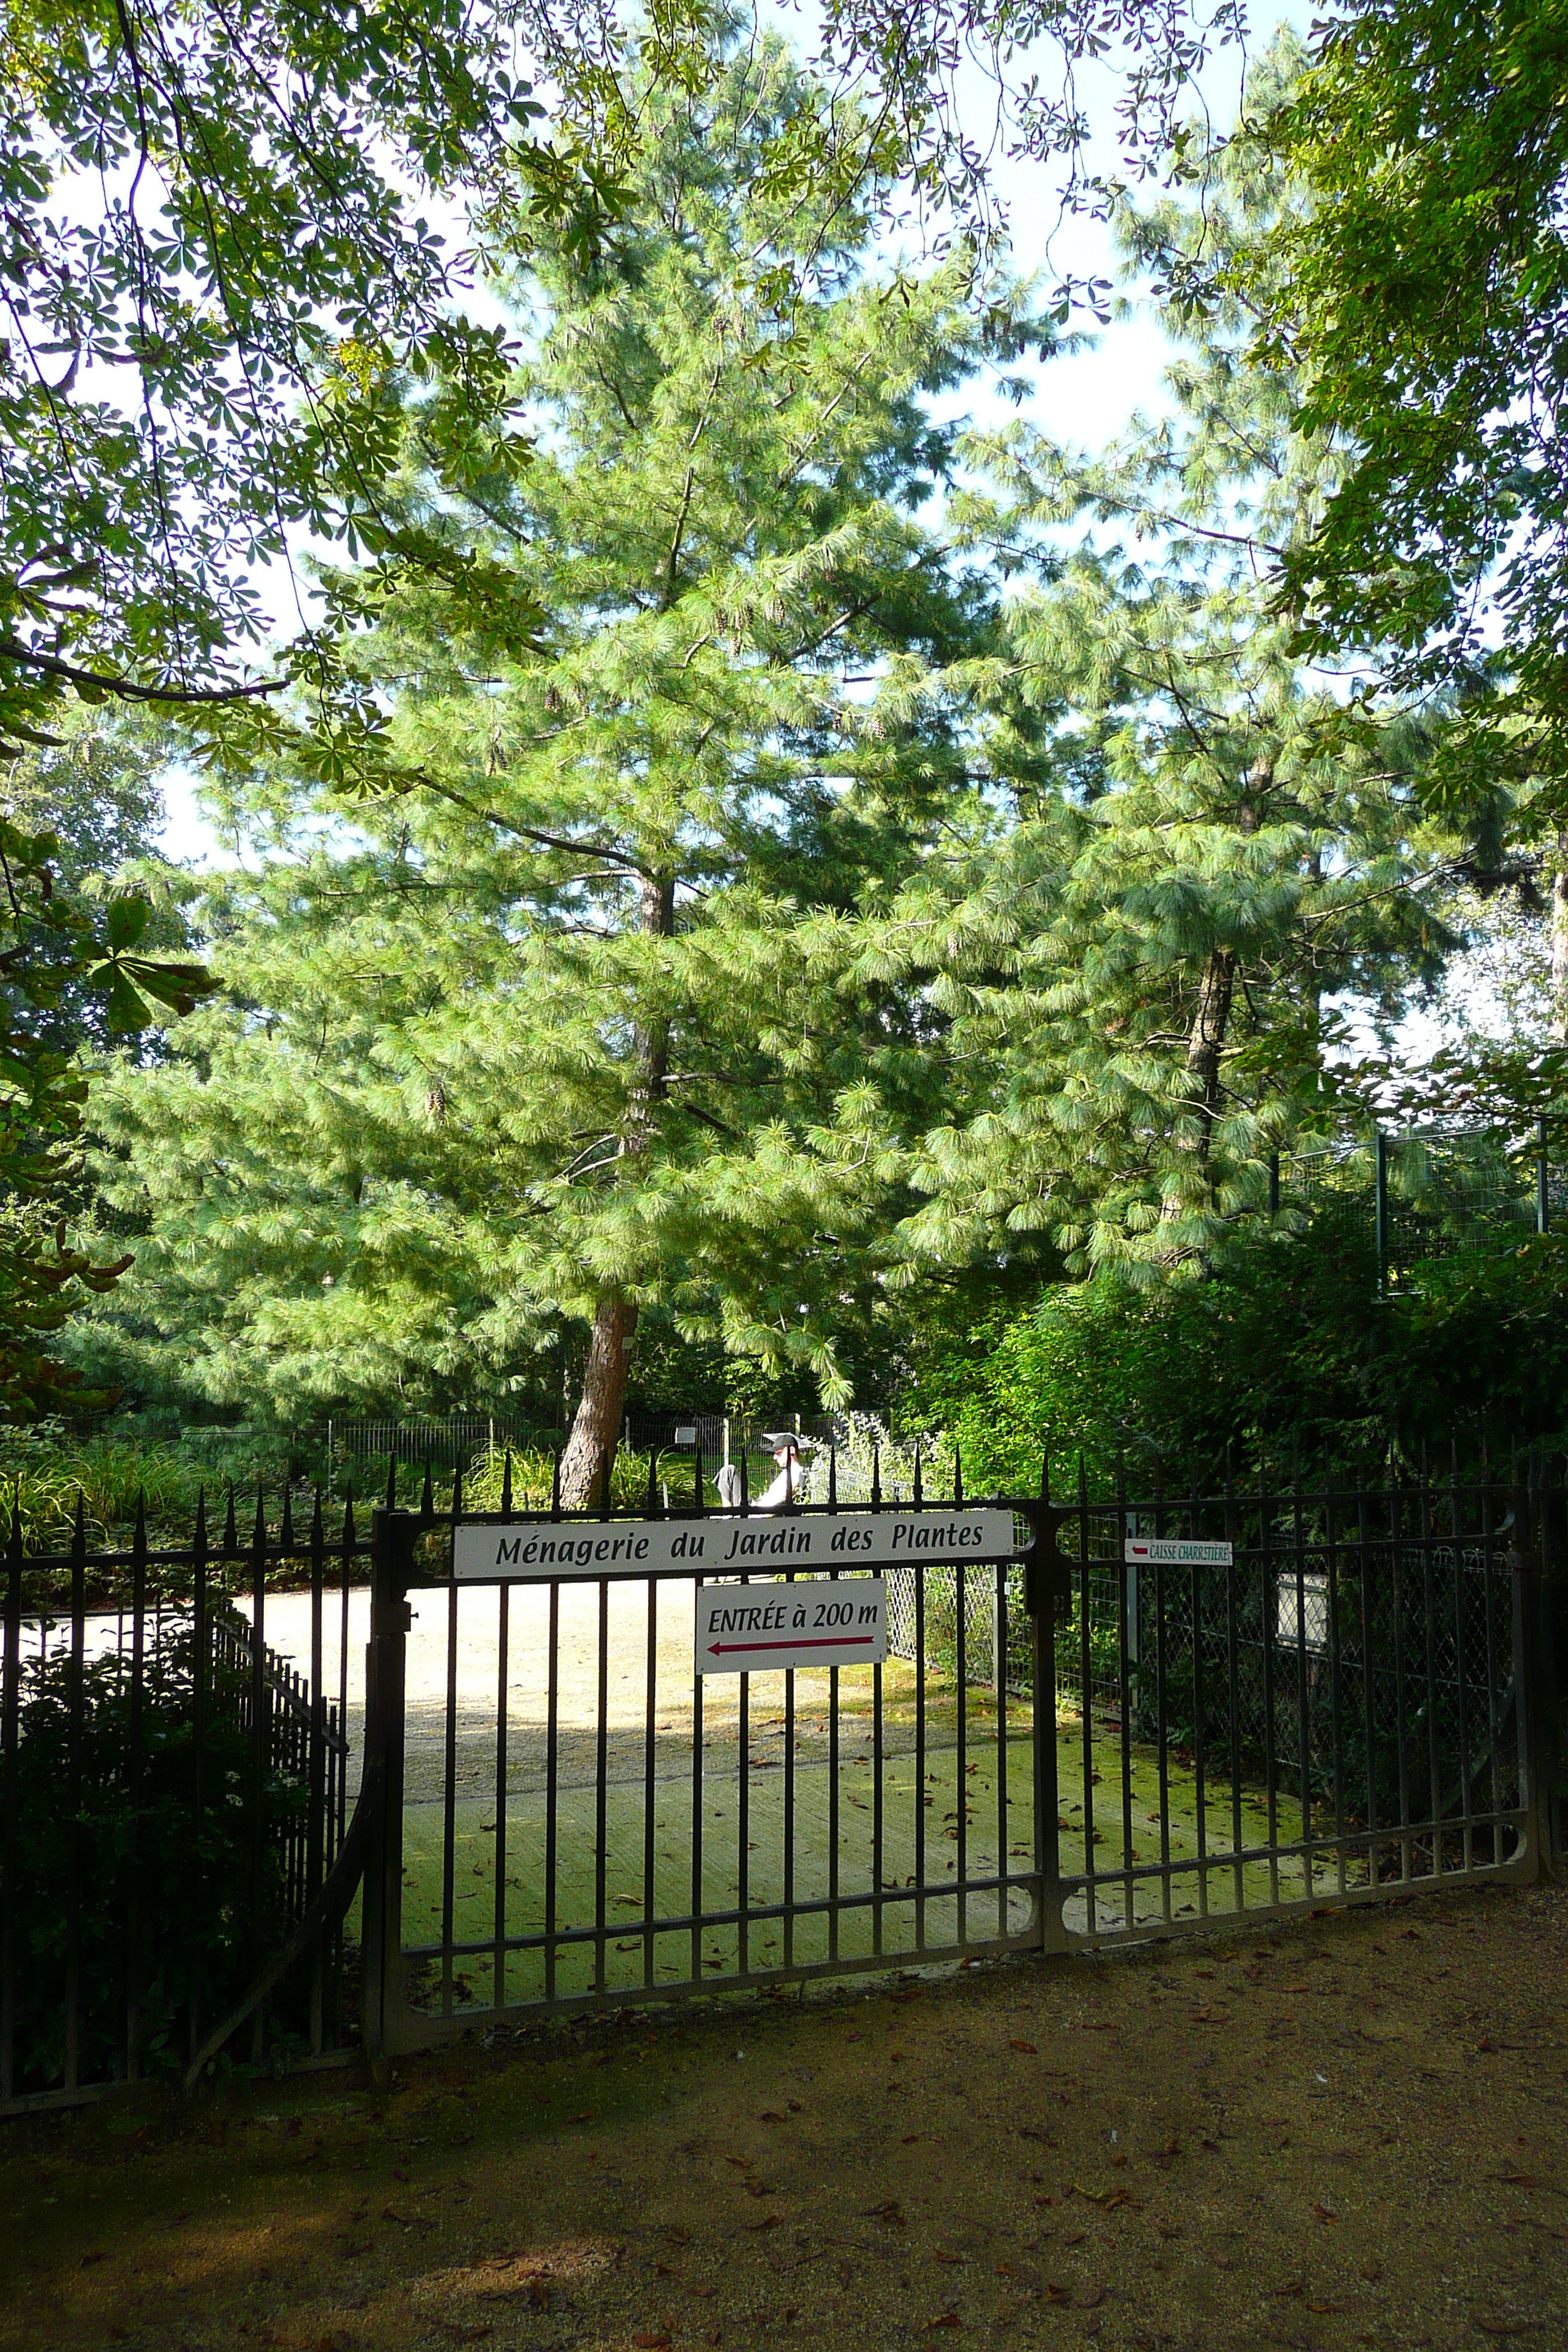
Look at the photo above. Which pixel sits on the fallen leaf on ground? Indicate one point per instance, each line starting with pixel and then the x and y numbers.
pixel 888 2211
pixel 659 2343
pixel 407 2220
pixel 1324 2215
pixel 946 2319
pixel 1029 2049
pixel 1507 2326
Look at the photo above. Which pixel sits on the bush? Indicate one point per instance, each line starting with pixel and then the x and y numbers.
pixel 1289 1349
pixel 163 1856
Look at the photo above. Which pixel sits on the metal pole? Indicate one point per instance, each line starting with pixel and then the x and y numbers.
pixel 1542 1179
pixel 1274 1183
pixel 392 1535
pixel 1382 1218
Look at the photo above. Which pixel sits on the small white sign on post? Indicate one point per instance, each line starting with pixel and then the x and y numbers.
pixel 750 1629
pixel 1175 1551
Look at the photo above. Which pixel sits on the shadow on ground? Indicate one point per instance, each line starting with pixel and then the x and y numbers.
pixel 1350 2132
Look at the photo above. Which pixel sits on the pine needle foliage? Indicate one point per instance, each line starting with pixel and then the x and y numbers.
pixel 549 1007
pixel 1200 849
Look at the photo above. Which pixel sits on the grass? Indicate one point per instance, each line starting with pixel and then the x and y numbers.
pixel 747 1842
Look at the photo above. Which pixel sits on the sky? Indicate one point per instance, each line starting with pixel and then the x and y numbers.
pixel 1085 398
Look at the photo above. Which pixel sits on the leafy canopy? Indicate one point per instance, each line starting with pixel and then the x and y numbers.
pixel 550 1022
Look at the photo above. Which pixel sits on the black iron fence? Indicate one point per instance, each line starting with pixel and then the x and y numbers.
pixel 477 1767
pixel 175 1775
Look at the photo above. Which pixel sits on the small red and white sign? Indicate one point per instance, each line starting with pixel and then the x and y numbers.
pixel 753 1629
pixel 1176 1551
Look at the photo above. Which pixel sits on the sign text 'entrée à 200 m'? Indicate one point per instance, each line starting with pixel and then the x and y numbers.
pixel 735 1546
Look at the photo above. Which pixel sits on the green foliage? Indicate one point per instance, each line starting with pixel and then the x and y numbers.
pixel 555 1013
pixel 1192 854
pixel 1420 301
pixel 1289 1348
pixel 57 950
pixel 165 1891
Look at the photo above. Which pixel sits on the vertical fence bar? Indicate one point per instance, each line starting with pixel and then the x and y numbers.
pixel 316 1827
pixel 1200 1778
pixel 1303 1687
pixel 1429 1615
pixel 917 1570
pixel 260 1760
pixel 1040 1587
pixel 1400 1712
pixel 552 1784
pixel 1489 1572
pixel 503 1775
pixel 1543 1178
pixel 1336 1716
pixel 1126 1635
pixel 10 1796
pixel 1086 1698
pixel 1232 1683
pixel 1271 1615
pixel 135 1792
pixel 1002 1836
pixel 602 1788
pixel 76 1697
pixel 1461 1657
pixel 695 1966
pixel 347 1557
pixel 201 1677
pixel 960 1793
pixel 651 1780
pixel 1369 1670
pixel 450 1807
pixel 392 1558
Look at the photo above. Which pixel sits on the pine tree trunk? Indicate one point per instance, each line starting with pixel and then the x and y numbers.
pixel 606 1372
pixel 1206 1045
pixel 1560 939
pixel 597 1426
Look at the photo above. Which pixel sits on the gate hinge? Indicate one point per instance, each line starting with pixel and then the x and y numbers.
pixel 1047 1575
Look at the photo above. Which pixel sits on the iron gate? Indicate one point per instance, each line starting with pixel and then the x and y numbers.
pixel 1338 1711
pixel 1126 1714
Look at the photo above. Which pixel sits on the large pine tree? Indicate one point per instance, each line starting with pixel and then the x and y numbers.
pixel 543 1007
pixel 1205 849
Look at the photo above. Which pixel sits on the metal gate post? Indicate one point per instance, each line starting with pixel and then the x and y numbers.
pixel 1541 1602
pixel 1048 1596
pixel 392 1537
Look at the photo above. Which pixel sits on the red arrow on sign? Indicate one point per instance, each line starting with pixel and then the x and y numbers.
pixel 824 1641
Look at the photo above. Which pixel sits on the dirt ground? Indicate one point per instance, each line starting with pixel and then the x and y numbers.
pixel 1348 2132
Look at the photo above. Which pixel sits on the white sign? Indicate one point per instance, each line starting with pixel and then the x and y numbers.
pixel 750 1629
pixel 735 1546
pixel 1176 1551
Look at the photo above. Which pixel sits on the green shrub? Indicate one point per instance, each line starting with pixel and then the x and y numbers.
pixel 162 1857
